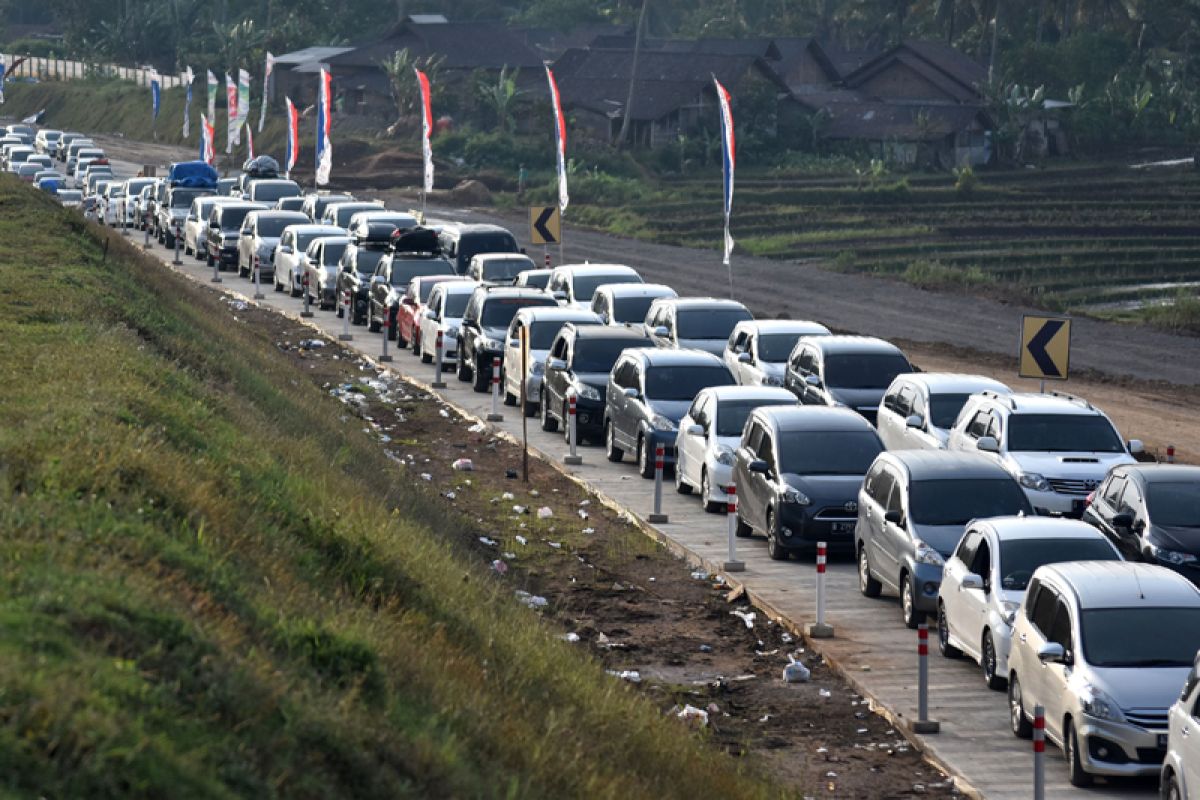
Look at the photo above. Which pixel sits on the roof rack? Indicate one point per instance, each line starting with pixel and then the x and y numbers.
pixel 1074 399
pixel 994 395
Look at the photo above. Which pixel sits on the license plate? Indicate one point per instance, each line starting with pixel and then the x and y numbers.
pixel 841 527
pixel 1162 741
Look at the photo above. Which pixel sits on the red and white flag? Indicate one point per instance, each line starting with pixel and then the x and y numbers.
pixel 728 160
pixel 324 123
pixel 426 127
pixel 208 147
pixel 231 101
pixel 293 136
pixel 249 142
pixel 262 115
pixel 560 142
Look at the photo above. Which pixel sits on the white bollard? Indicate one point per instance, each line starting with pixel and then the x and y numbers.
pixel 438 383
pixel 923 724
pixel 820 629
pixel 732 563
pixel 1039 753
pixel 307 312
pixel 258 295
pixel 572 458
pixel 496 416
pixel 384 327
pixel 345 336
pixel 176 262
pixel 657 517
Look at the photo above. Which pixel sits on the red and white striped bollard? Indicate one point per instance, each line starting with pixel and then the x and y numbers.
pixel 385 327
pixel 820 629
pixel 307 312
pixel 496 416
pixel 572 458
pixel 346 312
pixel 1039 752
pixel 923 724
pixel 657 517
pixel 732 563
pixel 1170 454
pixel 438 349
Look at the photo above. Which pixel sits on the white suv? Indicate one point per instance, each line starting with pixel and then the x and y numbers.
pixel 1181 768
pixel 919 408
pixel 1058 447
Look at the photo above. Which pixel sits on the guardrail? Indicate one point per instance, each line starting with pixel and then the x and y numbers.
pixel 62 69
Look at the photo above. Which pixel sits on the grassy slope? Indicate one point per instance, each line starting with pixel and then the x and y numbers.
pixel 196 601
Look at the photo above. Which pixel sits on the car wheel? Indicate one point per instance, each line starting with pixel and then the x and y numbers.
pixel 740 527
pixel 908 603
pixel 275 280
pixel 341 311
pixel 462 369
pixel 426 358
pixel 187 251
pixel 710 505
pixel 1017 721
pixel 483 378
pixel 645 460
pixel 1075 771
pixel 549 423
pixel 292 290
pixel 681 486
pixel 416 342
pixel 611 451
pixel 510 399
pixel 987 660
pixel 1171 789
pixel 944 647
pixel 867 584
pixel 775 550
pixel 373 325
pixel 394 332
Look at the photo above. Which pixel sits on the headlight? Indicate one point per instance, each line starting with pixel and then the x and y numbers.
pixel 586 392
pixel 1031 480
pixel 796 497
pixel 1096 703
pixel 489 344
pixel 927 555
pixel 1009 610
pixel 725 456
pixel 1172 556
pixel 661 423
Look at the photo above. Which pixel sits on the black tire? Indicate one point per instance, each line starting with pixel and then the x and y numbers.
pixel 340 311
pixel 1018 722
pixel 867 584
pixel 1075 772
pixel 741 528
pixel 208 259
pixel 908 603
pixel 510 399
pixel 645 461
pixel 611 451
pixel 549 423
pixel 416 342
pixel 373 325
pixel 483 379
pixel 987 662
pixel 394 332
pixel 1170 789
pixel 462 369
pixel 292 290
pixel 775 550
pixel 168 241
pixel 681 486
pixel 944 647
pixel 426 358
pixel 710 506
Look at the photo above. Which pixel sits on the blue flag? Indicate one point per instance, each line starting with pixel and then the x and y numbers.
pixel 155 94
pixel 2 81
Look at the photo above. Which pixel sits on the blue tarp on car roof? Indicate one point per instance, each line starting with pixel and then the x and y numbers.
pixel 192 173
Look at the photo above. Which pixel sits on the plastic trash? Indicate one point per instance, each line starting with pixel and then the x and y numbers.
pixel 700 575
pixel 478 427
pixel 463 465
pixel 555 545
pixel 631 675
pixel 582 514
pixel 532 600
pixel 506 496
pixel 521 539
pixel 487 541
pixel 499 566
pixel 570 637
pixel 795 672
pixel 520 509
pixel 825 693
pixel 696 717
pixel 706 648
pixel 425 476
pixel 545 512
pixel 534 493
pixel 444 412
pixel 747 617
pixel 589 530
pixel 450 495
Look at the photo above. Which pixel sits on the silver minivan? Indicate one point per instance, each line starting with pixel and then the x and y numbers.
pixel 912 510
pixel 1181 769
pixel 1103 646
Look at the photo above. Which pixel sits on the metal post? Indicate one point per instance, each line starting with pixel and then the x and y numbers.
pixel 658 517
pixel 438 383
pixel 495 415
pixel 1039 752
pixel 345 336
pixel 732 563
pixel 146 243
pixel 820 629
pixel 176 262
pixel 546 256
pixel 923 724
pixel 384 327
pixel 307 312
pixel 216 278
pixel 125 220
pixel 572 458
pixel 258 295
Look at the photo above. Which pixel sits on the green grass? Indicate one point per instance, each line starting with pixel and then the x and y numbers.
pixel 197 600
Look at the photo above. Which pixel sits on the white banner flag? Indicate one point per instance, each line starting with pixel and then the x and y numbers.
pixel 262 116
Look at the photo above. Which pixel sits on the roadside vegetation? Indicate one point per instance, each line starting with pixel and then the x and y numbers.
pixel 213 582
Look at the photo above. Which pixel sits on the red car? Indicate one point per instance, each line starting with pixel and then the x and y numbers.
pixel 406 319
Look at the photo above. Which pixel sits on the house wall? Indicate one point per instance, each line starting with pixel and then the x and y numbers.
pixel 806 75
pixel 900 82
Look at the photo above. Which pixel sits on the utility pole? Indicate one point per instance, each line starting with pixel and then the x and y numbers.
pixel 637 49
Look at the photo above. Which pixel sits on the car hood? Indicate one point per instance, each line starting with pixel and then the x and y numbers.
pixel 826 490
pixel 772 370
pixel 1185 540
pixel 714 346
pixel 943 538
pixel 1077 466
pixel 268 241
pixel 864 399
pixel 671 409
pixel 1140 687
pixel 942 435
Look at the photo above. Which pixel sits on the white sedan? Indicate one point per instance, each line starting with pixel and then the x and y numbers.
pixel 709 434
pixel 444 313
pixel 984 582
pixel 289 255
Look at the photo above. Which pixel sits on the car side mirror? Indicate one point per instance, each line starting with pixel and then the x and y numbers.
pixel 972 581
pixel 1052 653
pixel 813 381
pixel 988 444
pixel 894 517
pixel 1136 447
pixel 630 392
pixel 287 249
pixel 759 466
pixel 1123 521
pixel 915 421
pixel 514 342
pixel 556 363
pixel 745 358
pixel 662 331
pixel 695 430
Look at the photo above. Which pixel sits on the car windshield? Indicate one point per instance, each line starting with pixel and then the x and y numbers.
pixel 498 312
pixel 474 244
pixel 273 226
pixel 304 239
pixel 182 198
pixel 366 260
pixel 1174 505
pixel 232 218
pixel 1140 637
pixel 542 333
pixel 828 452
pixel 343 214
pixel 732 414
pixel 504 269
pixel 599 355
pixel 69 194
pixel 584 286
pixel 944 409
pixel 1020 557
pixel 404 271
pixel 1062 433
pixel 630 309
pixel 959 500
pixel 709 323
pixel 456 304
pixel 774 348
pixel 334 252
pixel 684 382
pixel 270 192
pixel 864 370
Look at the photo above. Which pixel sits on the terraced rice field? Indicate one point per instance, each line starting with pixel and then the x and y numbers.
pixel 1096 238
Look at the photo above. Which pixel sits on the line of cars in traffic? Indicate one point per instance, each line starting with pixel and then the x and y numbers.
pixel 1024 523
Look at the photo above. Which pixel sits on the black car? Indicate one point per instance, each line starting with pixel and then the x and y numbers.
pixel 368 247
pixel 485 326
pixel 648 392
pixel 798 472
pixel 1151 512
pixel 411 255
pixel 581 358
pixel 314 204
pixel 172 210
pixel 460 243
pixel 224 229
pixel 851 371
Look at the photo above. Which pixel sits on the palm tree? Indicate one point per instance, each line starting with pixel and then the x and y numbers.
pixel 402 81
pixel 501 97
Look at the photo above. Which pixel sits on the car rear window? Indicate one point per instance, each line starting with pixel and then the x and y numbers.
pixel 504 269
pixel 599 355
pixel 498 312
pixel 960 500
pixel 683 382
pixel 273 226
pixel 864 370
pixel 732 414
pixel 1062 433
pixel 231 218
pixel 709 323
pixel 472 244
pixel 270 192
pixel 404 271
pixel 456 304
pixel 1174 504
pixel 827 452
pixel 631 309
pixel 334 253
pixel 1019 558
pixel 585 285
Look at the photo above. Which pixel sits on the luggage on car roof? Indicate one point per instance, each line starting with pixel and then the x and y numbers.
pixel 415 240
pixel 197 174
pixel 261 167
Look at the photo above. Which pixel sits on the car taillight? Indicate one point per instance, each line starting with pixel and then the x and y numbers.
pixel 1087 501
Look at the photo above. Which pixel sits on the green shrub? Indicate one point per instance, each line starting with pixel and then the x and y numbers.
pixel 934 274
pixel 965 180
